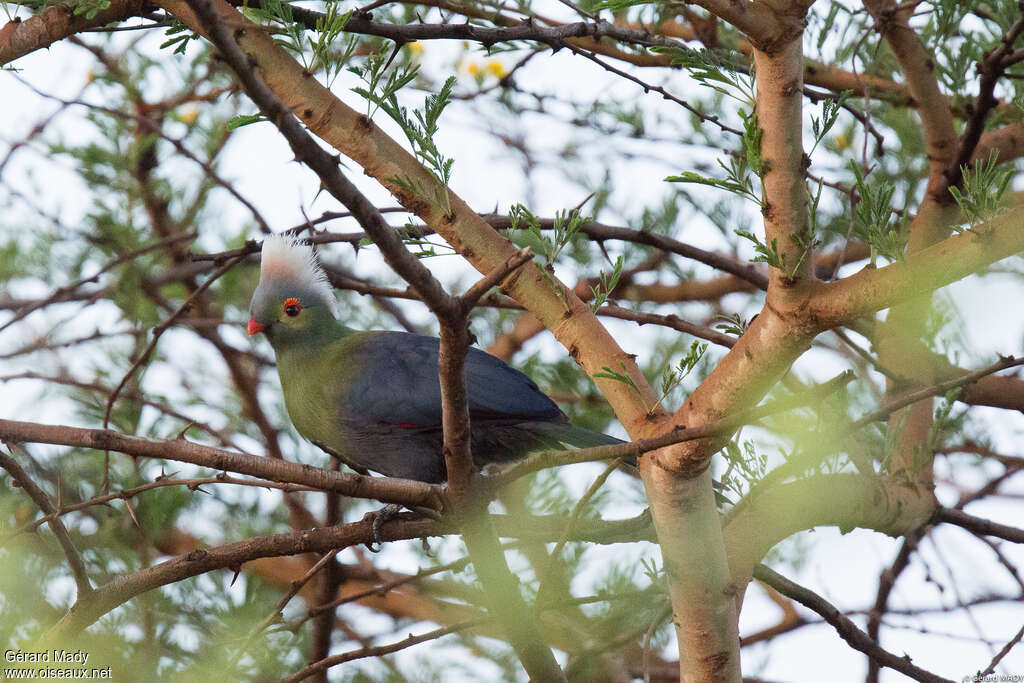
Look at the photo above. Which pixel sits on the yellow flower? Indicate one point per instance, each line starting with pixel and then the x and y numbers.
pixel 473 68
pixel 496 69
pixel 188 114
pixel 415 47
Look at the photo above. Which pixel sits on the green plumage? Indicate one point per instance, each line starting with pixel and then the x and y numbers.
pixel 373 398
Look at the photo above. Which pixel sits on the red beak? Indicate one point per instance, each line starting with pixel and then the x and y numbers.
pixel 255 327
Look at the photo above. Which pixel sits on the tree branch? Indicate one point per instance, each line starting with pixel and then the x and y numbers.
pixel 380 650
pixel 21 478
pixel 847 630
pixel 91 607
pixel 19 38
pixel 779 111
pixel 389 490
pixel 886 582
pixel 892 21
pixel 493 571
pixel 952 259
pixel 847 501
pixel 979 525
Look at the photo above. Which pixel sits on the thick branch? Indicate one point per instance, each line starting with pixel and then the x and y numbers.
pixel 1007 142
pixel 91 607
pixel 19 38
pixel 388 490
pixel 762 26
pixel 845 500
pixel 933 106
pixel 952 259
pixel 779 108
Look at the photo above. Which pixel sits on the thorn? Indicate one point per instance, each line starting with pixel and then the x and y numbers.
pixel 585 200
pixel 164 475
pixel 394 53
pixel 181 434
pixel 128 507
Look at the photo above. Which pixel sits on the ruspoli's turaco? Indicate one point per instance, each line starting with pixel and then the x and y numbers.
pixel 373 399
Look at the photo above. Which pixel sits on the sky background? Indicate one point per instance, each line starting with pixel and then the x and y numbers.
pixel 842 568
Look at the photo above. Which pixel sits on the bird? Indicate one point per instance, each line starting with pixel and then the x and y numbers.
pixel 373 398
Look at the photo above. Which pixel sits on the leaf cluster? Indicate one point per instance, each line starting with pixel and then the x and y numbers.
pixel 873 218
pixel 737 167
pixel 549 244
pixel 745 466
pixel 606 285
pixel 419 127
pixel 984 189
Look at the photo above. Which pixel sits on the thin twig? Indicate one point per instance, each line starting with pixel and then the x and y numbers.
pixel 148 351
pixel 275 614
pixel 42 500
pixel 380 650
pixel 61 292
pixel 999 655
pixel 979 525
pixel 577 510
pixel 634 449
pixel 847 630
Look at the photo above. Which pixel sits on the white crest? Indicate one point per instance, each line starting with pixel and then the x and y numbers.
pixel 285 259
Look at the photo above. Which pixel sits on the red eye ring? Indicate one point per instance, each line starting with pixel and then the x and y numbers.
pixel 292 307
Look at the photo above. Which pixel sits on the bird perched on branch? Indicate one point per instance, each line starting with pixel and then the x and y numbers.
pixel 373 399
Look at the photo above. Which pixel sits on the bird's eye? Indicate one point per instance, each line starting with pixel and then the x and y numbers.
pixel 292 307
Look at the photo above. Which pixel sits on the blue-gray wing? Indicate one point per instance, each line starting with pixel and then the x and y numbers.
pixel 397 383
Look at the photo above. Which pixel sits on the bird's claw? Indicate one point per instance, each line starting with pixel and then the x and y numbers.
pixel 379 517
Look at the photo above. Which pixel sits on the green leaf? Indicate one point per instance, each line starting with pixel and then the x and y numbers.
pixel 244 120
pixel 608 373
pixel 830 108
pixel 90 8
pixel 607 285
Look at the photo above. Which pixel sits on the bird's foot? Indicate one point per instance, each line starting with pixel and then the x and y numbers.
pixel 379 517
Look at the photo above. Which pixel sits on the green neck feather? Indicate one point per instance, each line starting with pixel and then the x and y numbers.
pixel 314 328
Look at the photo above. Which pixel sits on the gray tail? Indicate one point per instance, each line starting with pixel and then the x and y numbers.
pixel 571 435
pixel 578 437
pixel 585 438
